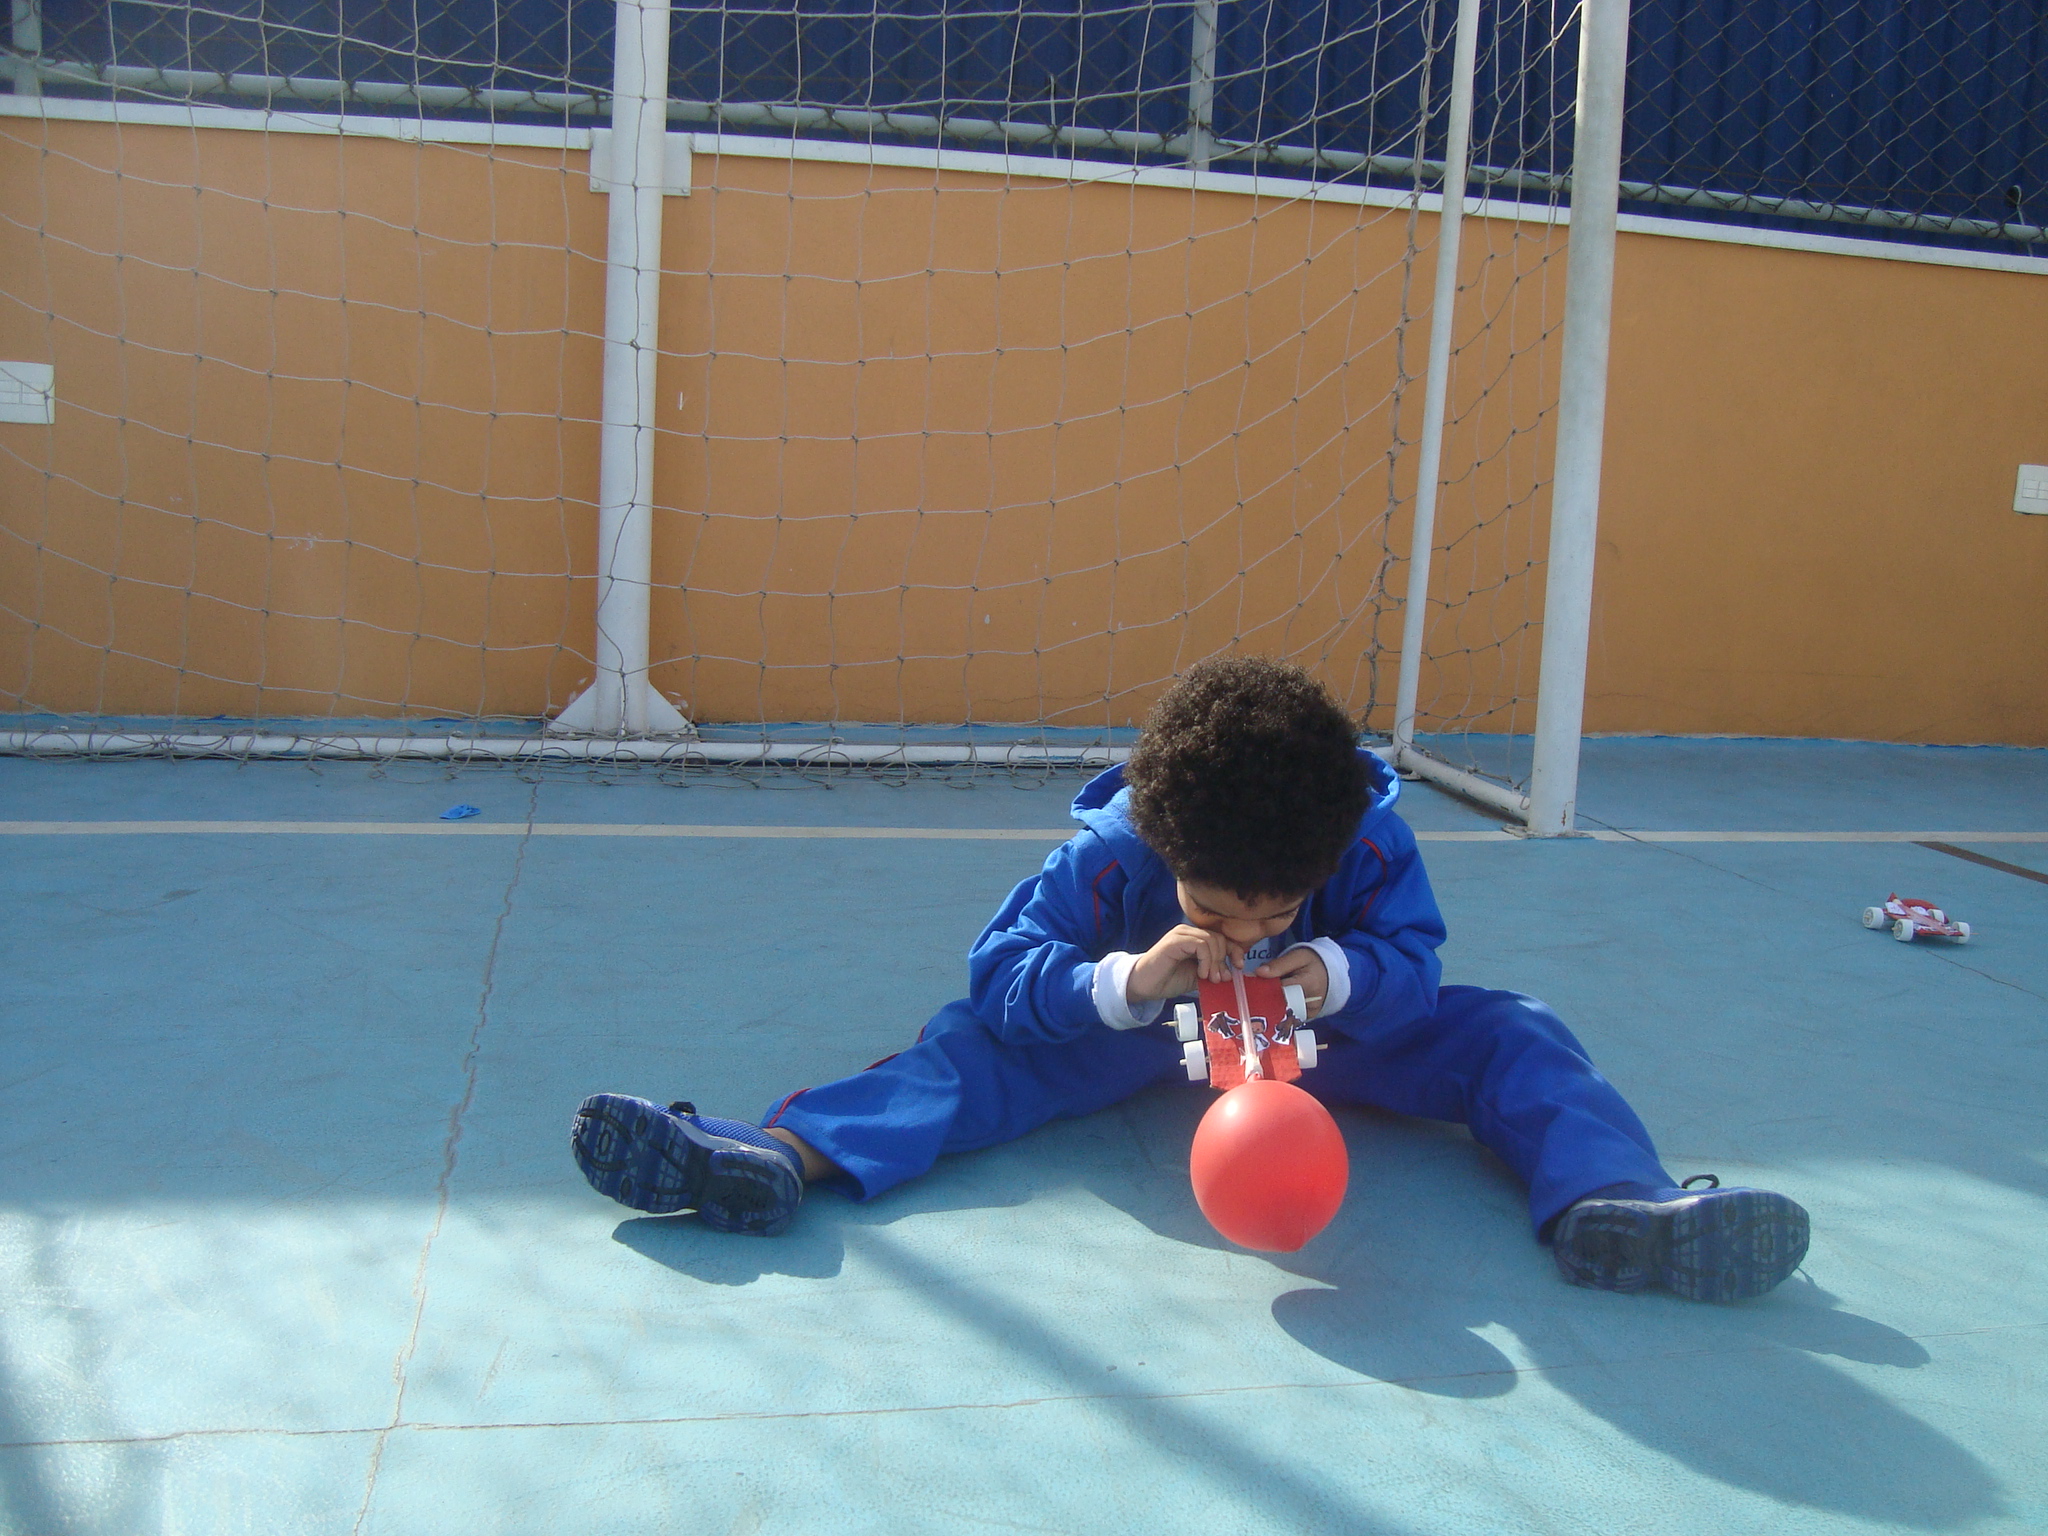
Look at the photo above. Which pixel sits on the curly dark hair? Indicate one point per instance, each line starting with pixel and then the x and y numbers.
pixel 1247 777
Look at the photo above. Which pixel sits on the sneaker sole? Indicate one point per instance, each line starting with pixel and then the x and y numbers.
pixel 637 1153
pixel 1723 1245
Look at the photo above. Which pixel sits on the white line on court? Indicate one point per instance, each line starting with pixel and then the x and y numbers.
pixel 940 834
pixel 1816 837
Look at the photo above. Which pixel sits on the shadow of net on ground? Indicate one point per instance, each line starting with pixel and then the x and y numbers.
pixel 1205 1446
pixel 1428 1281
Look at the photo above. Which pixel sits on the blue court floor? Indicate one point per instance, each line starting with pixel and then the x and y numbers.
pixel 290 1240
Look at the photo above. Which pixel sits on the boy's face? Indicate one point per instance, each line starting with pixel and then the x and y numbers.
pixel 1242 920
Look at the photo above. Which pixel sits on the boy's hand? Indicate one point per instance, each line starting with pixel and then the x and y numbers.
pixel 1186 955
pixel 1305 968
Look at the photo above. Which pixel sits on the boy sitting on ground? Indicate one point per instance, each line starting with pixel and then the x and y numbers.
pixel 1247 830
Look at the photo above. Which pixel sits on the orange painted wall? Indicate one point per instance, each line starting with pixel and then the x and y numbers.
pixel 1806 522
pixel 951 449
pixel 946 448
pixel 936 447
pixel 323 440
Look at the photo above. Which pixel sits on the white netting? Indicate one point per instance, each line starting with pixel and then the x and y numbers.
pixel 949 449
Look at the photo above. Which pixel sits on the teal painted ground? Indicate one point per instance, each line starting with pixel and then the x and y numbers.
pixel 290 1240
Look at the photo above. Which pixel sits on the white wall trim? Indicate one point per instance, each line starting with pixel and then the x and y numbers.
pixel 982 163
pixel 1049 168
pixel 411 130
pixel 1831 245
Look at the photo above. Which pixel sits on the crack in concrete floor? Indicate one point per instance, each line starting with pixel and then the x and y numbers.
pixel 450 1150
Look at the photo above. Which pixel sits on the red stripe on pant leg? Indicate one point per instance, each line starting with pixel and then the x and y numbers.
pixel 784 1105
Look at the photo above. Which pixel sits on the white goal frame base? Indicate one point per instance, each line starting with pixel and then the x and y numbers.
pixel 579 717
pixel 673 751
pixel 1414 762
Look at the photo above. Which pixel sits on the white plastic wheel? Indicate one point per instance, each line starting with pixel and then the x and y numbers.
pixel 1964 936
pixel 1297 1001
pixel 1873 917
pixel 1187 1022
pixel 1195 1057
pixel 1902 930
pixel 1305 1047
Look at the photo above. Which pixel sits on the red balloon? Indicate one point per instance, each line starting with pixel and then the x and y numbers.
pixel 1268 1166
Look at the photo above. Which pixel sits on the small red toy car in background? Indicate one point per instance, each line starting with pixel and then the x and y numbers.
pixel 1909 920
pixel 1213 1032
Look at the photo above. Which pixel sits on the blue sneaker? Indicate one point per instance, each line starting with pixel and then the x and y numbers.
pixel 735 1176
pixel 1713 1244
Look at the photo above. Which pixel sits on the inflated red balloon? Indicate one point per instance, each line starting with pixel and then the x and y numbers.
pixel 1269 1166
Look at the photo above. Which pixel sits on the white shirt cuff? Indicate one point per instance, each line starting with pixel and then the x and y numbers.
pixel 1338 965
pixel 1112 975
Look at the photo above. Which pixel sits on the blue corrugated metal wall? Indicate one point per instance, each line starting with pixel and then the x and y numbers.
pixel 1926 106
pixel 1923 106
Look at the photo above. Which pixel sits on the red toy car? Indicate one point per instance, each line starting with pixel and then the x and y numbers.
pixel 1239 1010
pixel 1909 919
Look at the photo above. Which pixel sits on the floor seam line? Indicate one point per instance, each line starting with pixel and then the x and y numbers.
pixel 1046 1400
pixel 1987 861
pixel 449 1151
pixel 1624 834
pixel 628 831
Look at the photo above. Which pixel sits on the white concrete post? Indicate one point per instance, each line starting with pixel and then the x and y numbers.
pixel 1581 417
pixel 1202 87
pixel 621 702
pixel 27 37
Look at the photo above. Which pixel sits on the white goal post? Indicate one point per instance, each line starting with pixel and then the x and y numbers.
pixel 622 703
pixel 1549 808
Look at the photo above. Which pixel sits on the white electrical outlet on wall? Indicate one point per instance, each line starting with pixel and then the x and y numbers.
pixel 28 392
pixel 2031 494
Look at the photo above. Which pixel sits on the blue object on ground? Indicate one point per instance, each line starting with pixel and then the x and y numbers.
pixel 460 813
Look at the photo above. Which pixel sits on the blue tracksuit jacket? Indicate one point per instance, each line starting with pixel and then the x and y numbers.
pixel 1041 1035
pixel 1033 970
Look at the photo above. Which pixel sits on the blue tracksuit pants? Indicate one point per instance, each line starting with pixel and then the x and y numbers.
pixel 1499 1063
